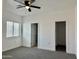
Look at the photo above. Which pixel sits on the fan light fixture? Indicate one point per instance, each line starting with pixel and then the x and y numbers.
pixel 27 7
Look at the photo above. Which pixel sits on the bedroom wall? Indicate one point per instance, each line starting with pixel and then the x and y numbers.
pixel 9 42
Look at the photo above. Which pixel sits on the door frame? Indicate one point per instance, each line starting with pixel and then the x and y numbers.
pixel 38 35
pixel 55 33
pixel 67 33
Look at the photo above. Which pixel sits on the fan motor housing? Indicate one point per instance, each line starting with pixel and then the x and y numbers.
pixel 26 3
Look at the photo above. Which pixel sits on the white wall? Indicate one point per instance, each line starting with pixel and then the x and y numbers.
pixel 11 42
pixel 46 18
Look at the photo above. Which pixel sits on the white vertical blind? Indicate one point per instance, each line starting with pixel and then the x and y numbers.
pixel 9 29
pixel 16 29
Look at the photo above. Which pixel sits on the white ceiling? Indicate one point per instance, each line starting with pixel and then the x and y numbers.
pixel 46 6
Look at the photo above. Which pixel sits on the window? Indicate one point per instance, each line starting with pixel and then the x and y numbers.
pixel 13 29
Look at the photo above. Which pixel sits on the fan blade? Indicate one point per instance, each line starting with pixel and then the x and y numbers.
pixel 29 10
pixel 35 6
pixel 19 2
pixel 20 7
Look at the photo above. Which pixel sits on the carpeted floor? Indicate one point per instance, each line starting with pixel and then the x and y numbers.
pixel 34 53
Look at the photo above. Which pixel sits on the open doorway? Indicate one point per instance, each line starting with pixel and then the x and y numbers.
pixel 60 36
pixel 34 34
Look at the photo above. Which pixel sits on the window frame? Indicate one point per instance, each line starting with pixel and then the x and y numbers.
pixel 13 29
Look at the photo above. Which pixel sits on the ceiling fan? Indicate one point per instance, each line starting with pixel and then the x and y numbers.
pixel 27 4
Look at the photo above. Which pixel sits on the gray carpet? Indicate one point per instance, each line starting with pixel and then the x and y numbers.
pixel 34 53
